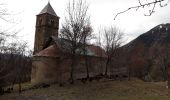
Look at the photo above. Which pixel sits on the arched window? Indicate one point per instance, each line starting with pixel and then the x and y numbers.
pixel 40 22
pixel 52 22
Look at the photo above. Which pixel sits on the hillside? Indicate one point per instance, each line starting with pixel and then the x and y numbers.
pixel 158 34
pixel 104 90
pixel 148 54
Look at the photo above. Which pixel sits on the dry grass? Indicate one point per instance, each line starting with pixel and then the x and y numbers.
pixel 106 90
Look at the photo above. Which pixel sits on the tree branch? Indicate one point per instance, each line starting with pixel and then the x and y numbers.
pixel 145 5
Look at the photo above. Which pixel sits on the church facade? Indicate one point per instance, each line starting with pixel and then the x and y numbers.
pixel 50 63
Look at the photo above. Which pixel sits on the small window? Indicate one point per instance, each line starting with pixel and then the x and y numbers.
pixel 40 22
pixel 52 22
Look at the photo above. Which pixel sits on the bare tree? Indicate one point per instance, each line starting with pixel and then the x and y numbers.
pixel 3 12
pixel 9 53
pixel 87 36
pixel 145 4
pixel 14 64
pixel 21 64
pixel 160 55
pixel 113 38
pixel 99 43
pixel 76 29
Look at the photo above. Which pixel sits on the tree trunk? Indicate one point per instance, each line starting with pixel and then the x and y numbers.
pixel 60 71
pixel 72 70
pixel 19 87
pixel 87 66
pixel 107 63
pixel 129 72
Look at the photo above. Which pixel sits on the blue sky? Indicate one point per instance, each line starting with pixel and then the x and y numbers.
pixel 102 12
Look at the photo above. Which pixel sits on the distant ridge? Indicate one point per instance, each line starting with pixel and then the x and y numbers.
pixel 158 34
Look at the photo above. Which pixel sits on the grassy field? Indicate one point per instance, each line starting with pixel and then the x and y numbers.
pixel 105 90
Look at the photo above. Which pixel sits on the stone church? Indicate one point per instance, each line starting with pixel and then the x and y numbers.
pixel 50 63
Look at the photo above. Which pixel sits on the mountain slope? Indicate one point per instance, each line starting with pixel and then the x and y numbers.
pixel 148 54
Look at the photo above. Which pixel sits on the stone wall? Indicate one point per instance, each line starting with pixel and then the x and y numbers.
pixel 51 69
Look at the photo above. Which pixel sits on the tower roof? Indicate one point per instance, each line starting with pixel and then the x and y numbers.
pixel 48 9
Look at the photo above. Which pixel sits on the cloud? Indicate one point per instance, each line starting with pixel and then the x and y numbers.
pixel 102 13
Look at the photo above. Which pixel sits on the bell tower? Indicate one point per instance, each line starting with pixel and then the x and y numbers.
pixel 47 24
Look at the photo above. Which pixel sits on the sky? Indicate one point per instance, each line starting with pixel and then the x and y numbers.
pixel 23 13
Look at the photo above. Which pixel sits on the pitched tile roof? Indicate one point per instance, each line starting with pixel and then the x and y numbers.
pixel 62 45
pixel 48 9
pixel 98 51
pixel 51 51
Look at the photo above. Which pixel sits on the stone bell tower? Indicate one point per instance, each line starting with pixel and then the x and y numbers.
pixel 47 24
